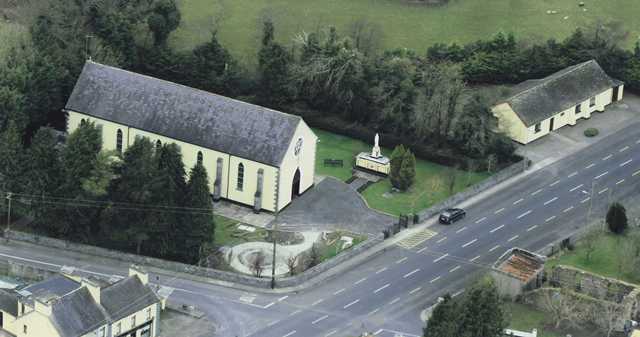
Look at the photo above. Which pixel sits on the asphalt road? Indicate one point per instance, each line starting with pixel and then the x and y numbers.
pixel 386 294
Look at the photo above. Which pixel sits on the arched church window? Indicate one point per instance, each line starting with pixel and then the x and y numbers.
pixel 200 157
pixel 240 182
pixel 119 141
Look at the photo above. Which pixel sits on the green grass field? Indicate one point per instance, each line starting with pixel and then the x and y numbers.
pixel 526 318
pixel 429 188
pixel 604 260
pixel 227 233
pixel 402 24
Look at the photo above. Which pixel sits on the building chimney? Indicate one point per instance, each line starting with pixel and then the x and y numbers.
pixel 93 287
pixel 43 306
pixel 142 274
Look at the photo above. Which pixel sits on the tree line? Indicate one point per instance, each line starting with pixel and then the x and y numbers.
pixel 140 201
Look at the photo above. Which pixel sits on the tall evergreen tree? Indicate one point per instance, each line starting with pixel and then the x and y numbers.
pixel 444 319
pixel 273 60
pixel 617 218
pixel 11 166
pixel 164 19
pixel 482 314
pixel 44 175
pixel 198 228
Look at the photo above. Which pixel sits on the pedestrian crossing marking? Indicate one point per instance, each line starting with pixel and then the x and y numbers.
pixel 416 239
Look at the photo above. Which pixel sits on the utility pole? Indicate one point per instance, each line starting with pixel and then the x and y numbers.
pixel 273 262
pixel 9 196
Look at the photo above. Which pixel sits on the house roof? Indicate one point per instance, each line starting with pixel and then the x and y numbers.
pixel 536 100
pixel 520 264
pixel 77 313
pixel 57 285
pixel 182 113
pixel 126 296
pixel 9 302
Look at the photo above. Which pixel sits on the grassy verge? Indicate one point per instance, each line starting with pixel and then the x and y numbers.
pixel 228 234
pixel 335 244
pixel 397 23
pixel 526 318
pixel 430 186
pixel 604 259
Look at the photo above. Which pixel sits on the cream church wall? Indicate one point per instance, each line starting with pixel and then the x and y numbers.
pixel 249 188
pixel 37 324
pixel 8 321
pixel 305 161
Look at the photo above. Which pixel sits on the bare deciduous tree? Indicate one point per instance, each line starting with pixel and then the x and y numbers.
pixel 609 314
pixel 562 307
pixel 589 242
pixel 257 264
pixel 292 261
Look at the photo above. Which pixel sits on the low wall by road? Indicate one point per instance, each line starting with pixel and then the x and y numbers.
pixel 474 190
pixel 171 266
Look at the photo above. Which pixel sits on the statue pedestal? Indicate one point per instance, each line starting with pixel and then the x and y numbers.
pixel 379 165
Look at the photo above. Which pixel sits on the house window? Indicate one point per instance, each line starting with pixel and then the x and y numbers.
pixel 578 108
pixel 538 127
pixel 118 328
pixel 592 101
pixel 240 182
pixel 119 141
pixel 133 321
pixel 22 307
pixel 148 313
pixel 24 329
pixel 200 157
pixel 100 333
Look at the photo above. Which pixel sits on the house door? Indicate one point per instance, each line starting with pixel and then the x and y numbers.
pixel 1 319
pixel 614 95
pixel 295 186
pixel 551 124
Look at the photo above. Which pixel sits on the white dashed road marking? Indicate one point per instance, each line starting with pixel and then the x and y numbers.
pixel 575 188
pixel 339 291
pixel 494 248
pixel 401 260
pixel 590 165
pixel 361 280
pixel 518 201
pixel 524 214
pixel 567 209
pixel 475 258
pixel 394 301
pixel 624 149
pixel 513 238
pixel 350 304
pixel 373 312
pixel 290 333
pixel 531 228
pixel 620 182
pixel 331 333
pixel 469 243
pixel 461 229
pixel 497 228
pixel 550 201
pixel 536 192
pixel 273 323
pixel 481 219
pixel 454 269
pixel 626 162
pixel 444 238
pixel 601 175
pixel 498 211
pixel 320 319
pixel 411 273
pixel 572 174
pixel 555 183
pixel 603 190
pixel 295 312
pixel 635 173
pixel 381 288
pixel 550 218
pixel 317 302
pixel 585 200
pixel 283 298
pixel 435 279
pixel 381 270
pixel 607 157
pixel 422 249
pixel 415 290
pixel 441 257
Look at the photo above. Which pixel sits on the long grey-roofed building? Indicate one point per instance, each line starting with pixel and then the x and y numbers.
pixel 537 107
pixel 253 155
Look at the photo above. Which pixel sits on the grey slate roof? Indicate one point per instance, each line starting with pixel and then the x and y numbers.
pixel 57 285
pixel 126 296
pixel 9 302
pixel 186 114
pixel 536 100
pixel 77 314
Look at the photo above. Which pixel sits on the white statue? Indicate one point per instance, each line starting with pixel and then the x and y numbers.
pixel 375 152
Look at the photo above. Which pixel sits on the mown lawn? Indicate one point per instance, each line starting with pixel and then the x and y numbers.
pixel 228 234
pixel 526 318
pixel 401 23
pixel 429 188
pixel 604 260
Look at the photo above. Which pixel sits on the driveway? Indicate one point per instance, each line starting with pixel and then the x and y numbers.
pixel 331 205
pixel 569 139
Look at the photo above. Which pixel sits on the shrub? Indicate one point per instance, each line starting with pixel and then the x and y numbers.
pixel 617 218
pixel 591 132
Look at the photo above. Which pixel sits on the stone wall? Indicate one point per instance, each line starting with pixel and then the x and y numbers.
pixel 473 190
pixel 172 266
pixel 595 299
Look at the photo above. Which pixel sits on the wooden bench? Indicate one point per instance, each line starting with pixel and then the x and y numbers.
pixel 333 162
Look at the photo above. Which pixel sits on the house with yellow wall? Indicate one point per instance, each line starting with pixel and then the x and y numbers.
pixel 73 306
pixel 253 155
pixel 538 107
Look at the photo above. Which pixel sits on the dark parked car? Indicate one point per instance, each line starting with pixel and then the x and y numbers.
pixel 451 215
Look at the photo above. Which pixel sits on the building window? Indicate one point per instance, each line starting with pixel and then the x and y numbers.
pixel 200 157
pixel 133 321
pixel 578 108
pixel 118 328
pixel 22 307
pixel 24 329
pixel 100 333
pixel 592 101
pixel 538 127
pixel 119 141
pixel 158 144
pixel 148 313
pixel 240 183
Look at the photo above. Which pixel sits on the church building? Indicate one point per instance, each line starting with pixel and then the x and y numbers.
pixel 253 155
